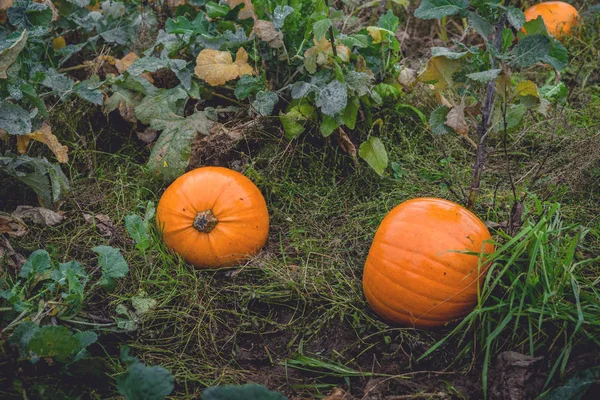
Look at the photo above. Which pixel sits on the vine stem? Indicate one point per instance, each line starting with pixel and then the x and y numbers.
pixel 483 127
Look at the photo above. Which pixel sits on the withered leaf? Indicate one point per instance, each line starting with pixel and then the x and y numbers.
pixel 44 135
pixel 5 4
pixel 38 215
pixel 456 119
pixel 439 71
pixel 266 31
pixel 347 146
pixel 148 135
pixel 320 54
pixel 246 12
pixel 217 67
pixel 102 222
pixel 12 226
pixel 8 255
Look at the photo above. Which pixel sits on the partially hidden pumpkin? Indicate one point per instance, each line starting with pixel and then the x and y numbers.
pixel 213 217
pixel 559 17
pixel 417 272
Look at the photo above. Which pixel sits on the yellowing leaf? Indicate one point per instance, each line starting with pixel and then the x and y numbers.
pixel 439 71
pixel 124 63
pixel 44 135
pixel 320 52
pixel 456 119
pixel 503 83
pixel 375 33
pixel 246 12
pixel 526 88
pixel 5 4
pixel 266 31
pixel 217 67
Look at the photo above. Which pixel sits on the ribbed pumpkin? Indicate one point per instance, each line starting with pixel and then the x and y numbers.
pixel 417 273
pixel 213 217
pixel 559 17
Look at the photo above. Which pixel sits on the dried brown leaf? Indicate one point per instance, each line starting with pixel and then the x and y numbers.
pixel 217 67
pixel 266 31
pixel 12 226
pixel 347 146
pixel 44 135
pixel 5 4
pixel 9 256
pixel 439 71
pixel 175 3
pixel 407 77
pixel 102 222
pixel 148 135
pixel 338 394
pixel 124 63
pixel 246 12
pixel 52 7
pixel 39 215
pixel 456 119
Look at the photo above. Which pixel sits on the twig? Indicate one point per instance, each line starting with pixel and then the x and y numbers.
pixel 483 128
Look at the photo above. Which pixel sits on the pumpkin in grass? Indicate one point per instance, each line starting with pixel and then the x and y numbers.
pixel 559 17
pixel 418 272
pixel 213 217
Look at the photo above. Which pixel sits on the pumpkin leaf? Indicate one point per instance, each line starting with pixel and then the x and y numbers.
pixel 142 382
pixel 280 14
pixel 439 71
pixel 250 391
pixel 217 67
pixel 333 98
pixel 248 85
pixel 577 386
pixel 485 76
pixel 265 103
pixel 514 116
pixel 481 25
pixel 53 341
pixel 328 125
pixel 437 9
pixel 320 28
pixel 138 229
pixel 446 52
pixel 516 17
pixel 558 56
pixel 296 119
pixel 112 263
pixel 437 120
pixel 44 135
pixel 374 153
pixel 531 49
pixel 9 55
pixel 37 264
pixel 266 31
pixel 14 119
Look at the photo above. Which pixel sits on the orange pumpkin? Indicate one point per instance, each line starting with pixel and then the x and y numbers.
pixel 417 273
pixel 213 217
pixel 559 17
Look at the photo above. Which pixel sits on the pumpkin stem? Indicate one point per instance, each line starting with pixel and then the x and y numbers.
pixel 205 221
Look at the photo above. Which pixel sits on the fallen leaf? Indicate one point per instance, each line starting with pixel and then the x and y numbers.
pixel 219 142
pixel 456 118
pixel 148 135
pixel 439 71
pixel 8 255
pixel 407 77
pixel 266 31
pixel 217 67
pixel 38 215
pixel 127 111
pixel 246 12
pixel 347 146
pixel 338 394
pixel 442 101
pixel 102 222
pixel 44 135
pixel 6 4
pixel 142 303
pixel 13 226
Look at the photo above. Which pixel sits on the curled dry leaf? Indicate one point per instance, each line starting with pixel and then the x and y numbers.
pixel 102 222
pixel 9 256
pixel 246 12
pixel 44 135
pixel 455 119
pixel 148 135
pixel 266 31
pixel 407 77
pixel 5 4
pixel 319 54
pixel 39 215
pixel 217 67
pixel 12 226
pixel 347 146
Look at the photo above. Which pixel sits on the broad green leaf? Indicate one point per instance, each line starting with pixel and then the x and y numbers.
pixel 296 120
pixel 533 27
pixel 142 382
pixel 437 121
pixel 87 91
pixel 114 9
pixel 265 102
pixel 300 89
pixel 214 10
pixel 350 113
pixel 163 106
pixel 558 57
pixel 250 391
pixel 333 98
pixel 280 14
pixel 58 82
pixel 356 40
pixel 112 263
pixel 14 119
pixel 138 229
pixel 481 25
pixel 439 71
pixel 10 54
pixel 181 25
pixel 515 17
pixel 508 37
pixel 374 153
pixel 328 125
pixel 22 335
pixel 37 264
pixel 359 84
pixel 53 342
pixel 446 52
pixel 576 387
pixel 557 92
pixel 389 21
pixel 485 76
pixel 31 94
pixel 437 9
pixel 248 85
pixel 123 99
pixel 514 116
pixel 84 339
pixel 531 49
pixel 320 28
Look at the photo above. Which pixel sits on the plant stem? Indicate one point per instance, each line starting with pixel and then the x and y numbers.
pixel 332 39
pixel 483 128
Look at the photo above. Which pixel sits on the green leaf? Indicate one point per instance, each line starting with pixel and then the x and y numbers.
pixel 31 94
pixel 515 17
pixel 87 90
pixel 533 27
pixel 328 125
pixel 112 263
pixel 265 102
pixel 142 382
pixel 351 113
pixel 37 263
pixel 333 98
pixel 9 55
pixel 14 119
pixel 389 21
pixel 531 49
pixel 248 85
pixel 129 99
pixel 250 391
pixel 481 25
pixel 445 52
pixel 437 9
pixel 437 121
pixel 514 116
pixel 558 57
pixel 182 25
pixel 138 229
pixel 171 154
pixel 296 119
pixel 22 335
pixel 356 40
pixel 165 105
pixel 359 84
pixel 53 342
pixel 84 339
pixel 214 10
pixel 508 37
pixel 60 83
pixel 374 153
pixel 485 76
pixel 576 387
pixel 320 28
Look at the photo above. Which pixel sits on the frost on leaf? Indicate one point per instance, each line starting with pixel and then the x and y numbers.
pixel 439 71
pixel 333 98
pixel 319 54
pixel 44 135
pixel 246 12
pixel 217 67
pixel 10 54
pixel 266 31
